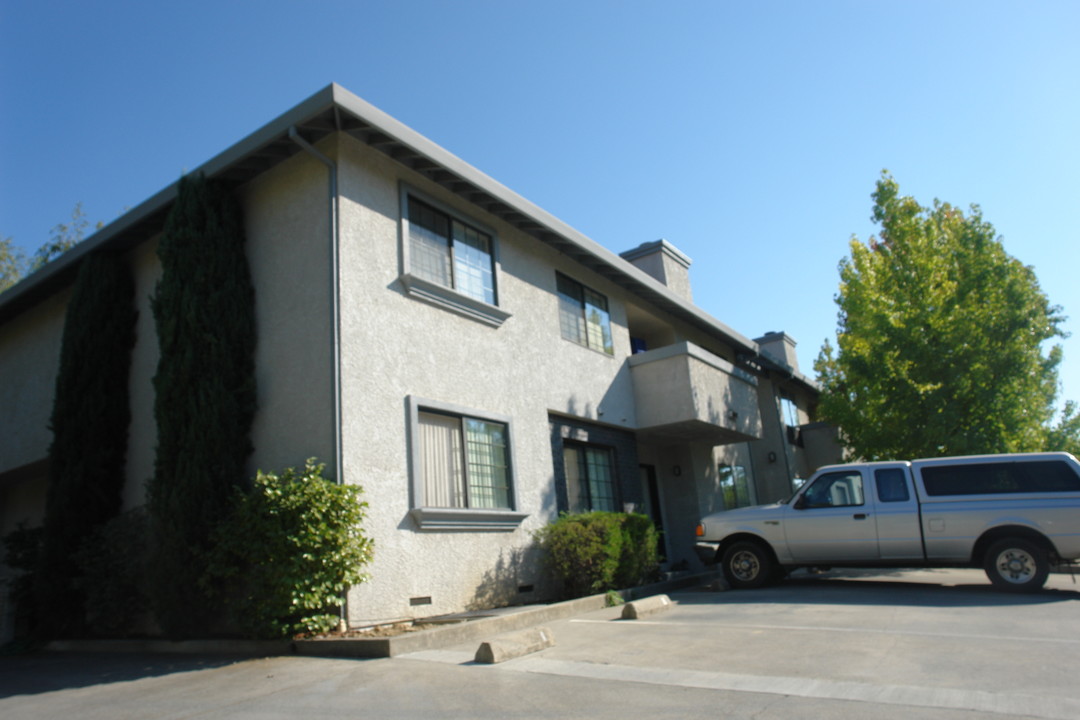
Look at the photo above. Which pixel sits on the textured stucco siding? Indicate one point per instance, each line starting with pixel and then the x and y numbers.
pixel 395 346
pixel 142 433
pixel 287 221
pixel 29 358
pixel 287 228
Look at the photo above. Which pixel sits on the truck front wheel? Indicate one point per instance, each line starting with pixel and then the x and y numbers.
pixel 747 565
pixel 1016 565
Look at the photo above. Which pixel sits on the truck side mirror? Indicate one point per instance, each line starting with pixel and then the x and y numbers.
pixel 800 502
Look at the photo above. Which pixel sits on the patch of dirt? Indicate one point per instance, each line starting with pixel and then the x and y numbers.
pixel 378 631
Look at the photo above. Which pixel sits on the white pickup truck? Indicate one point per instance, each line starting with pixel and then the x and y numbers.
pixel 1013 515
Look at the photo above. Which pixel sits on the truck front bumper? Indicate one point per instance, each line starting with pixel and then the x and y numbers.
pixel 706 551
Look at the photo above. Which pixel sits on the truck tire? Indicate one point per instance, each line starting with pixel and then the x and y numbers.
pixel 1016 565
pixel 747 565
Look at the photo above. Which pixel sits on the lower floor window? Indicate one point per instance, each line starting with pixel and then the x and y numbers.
pixel 735 484
pixel 590 478
pixel 464 462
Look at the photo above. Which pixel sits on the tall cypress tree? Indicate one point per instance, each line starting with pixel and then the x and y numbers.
pixel 205 393
pixel 90 419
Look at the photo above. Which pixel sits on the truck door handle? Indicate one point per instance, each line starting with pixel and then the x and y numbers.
pixel 859 516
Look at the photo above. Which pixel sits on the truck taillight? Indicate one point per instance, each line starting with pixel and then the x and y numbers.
pixel 700 530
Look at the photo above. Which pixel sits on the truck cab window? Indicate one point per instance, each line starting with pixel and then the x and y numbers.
pixel 844 489
pixel 891 485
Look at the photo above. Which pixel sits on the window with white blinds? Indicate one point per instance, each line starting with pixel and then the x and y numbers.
pixel 464 461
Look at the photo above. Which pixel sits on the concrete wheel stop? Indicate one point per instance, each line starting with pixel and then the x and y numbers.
pixel 646 606
pixel 514 645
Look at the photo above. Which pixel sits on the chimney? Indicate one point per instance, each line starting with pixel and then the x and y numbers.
pixel 665 262
pixel 780 347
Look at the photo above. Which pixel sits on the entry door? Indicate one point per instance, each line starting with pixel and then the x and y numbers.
pixel 832 521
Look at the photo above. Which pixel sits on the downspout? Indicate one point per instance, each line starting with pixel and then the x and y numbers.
pixel 335 312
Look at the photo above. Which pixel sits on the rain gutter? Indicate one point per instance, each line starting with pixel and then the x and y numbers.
pixel 335 311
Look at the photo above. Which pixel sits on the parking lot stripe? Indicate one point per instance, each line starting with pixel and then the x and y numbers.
pixel 827 629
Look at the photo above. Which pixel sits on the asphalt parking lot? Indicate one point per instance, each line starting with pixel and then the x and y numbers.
pixel 913 644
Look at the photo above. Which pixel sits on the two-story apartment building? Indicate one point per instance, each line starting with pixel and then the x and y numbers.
pixel 474 363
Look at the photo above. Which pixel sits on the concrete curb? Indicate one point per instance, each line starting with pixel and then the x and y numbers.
pixel 514 645
pixel 246 648
pixel 383 647
pixel 441 637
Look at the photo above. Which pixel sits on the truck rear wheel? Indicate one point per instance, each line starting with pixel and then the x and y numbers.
pixel 1016 565
pixel 747 565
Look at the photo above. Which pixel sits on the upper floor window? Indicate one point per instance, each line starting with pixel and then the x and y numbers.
pixel 790 411
pixel 449 252
pixel 590 477
pixel 583 315
pixel 449 260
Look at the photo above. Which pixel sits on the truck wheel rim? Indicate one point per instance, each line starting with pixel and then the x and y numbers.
pixel 1016 566
pixel 745 566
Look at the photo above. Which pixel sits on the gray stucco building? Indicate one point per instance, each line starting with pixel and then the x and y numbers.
pixel 476 364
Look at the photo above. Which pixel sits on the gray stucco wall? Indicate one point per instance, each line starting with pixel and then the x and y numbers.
pixel 29 357
pixel 287 220
pixel 396 346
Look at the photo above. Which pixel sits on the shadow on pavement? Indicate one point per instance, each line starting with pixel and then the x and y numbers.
pixel 857 587
pixel 43 672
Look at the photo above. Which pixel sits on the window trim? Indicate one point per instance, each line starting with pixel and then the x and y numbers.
pixel 441 518
pixel 442 295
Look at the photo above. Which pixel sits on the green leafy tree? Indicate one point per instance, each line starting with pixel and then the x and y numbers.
pixel 1065 434
pixel 89 423
pixel 11 263
pixel 939 339
pixel 63 237
pixel 204 311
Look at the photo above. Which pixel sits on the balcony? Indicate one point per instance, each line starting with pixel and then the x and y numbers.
pixel 684 393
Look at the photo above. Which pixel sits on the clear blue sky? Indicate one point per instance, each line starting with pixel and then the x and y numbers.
pixel 750 135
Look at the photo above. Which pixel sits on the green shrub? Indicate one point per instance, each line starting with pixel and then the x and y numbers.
pixel 112 564
pixel 640 559
pixel 292 545
pixel 599 551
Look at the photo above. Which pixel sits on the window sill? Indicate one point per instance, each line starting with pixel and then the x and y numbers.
pixel 605 353
pixel 464 519
pixel 453 300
